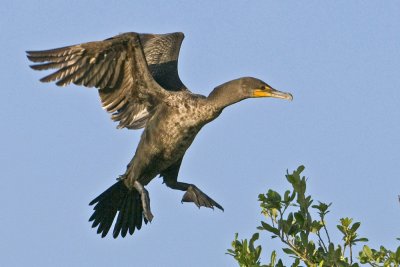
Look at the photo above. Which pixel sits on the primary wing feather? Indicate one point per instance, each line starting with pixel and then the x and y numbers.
pixel 129 70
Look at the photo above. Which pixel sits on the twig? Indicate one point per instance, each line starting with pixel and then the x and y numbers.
pixel 326 230
pixel 351 255
pixel 322 241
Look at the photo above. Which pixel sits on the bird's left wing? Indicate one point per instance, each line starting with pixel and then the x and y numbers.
pixel 116 66
pixel 162 53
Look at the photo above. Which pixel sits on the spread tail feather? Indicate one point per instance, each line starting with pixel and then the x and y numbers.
pixel 117 198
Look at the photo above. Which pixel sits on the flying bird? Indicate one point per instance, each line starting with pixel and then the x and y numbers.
pixel 137 79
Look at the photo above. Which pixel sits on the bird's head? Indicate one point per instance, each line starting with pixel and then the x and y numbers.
pixel 253 88
pixel 242 88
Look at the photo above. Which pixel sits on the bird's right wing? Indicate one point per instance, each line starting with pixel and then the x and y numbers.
pixel 117 67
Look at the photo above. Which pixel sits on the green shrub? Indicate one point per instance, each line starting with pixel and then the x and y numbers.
pixel 306 240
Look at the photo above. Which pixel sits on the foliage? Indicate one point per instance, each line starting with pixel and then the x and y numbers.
pixel 305 239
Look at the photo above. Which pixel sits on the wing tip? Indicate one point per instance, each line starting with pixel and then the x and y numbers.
pixel 181 34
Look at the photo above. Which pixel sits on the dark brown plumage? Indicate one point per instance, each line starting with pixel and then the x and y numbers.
pixel 138 83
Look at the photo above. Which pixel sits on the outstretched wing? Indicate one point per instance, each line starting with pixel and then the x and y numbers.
pixel 118 68
pixel 162 52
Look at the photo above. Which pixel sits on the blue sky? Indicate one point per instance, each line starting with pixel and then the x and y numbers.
pixel 59 149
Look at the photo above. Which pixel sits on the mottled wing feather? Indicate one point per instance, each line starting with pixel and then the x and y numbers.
pixel 118 68
pixel 162 52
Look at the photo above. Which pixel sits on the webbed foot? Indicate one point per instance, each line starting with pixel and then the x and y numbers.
pixel 144 195
pixel 195 195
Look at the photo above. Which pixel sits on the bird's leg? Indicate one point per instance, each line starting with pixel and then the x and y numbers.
pixel 124 176
pixel 193 194
pixel 144 195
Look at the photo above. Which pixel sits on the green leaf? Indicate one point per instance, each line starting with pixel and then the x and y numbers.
pixel 279 264
pixel 322 207
pixel 304 238
pixel 355 226
pixel 244 248
pixel 273 258
pixel 286 196
pixel 363 239
pixel 341 229
pixel 289 251
pixel 269 228
pixel 290 219
pixel 346 222
pixel 296 263
pixel 398 254
pixel 300 169
pixel 293 196
pixel 254 237
pixel 293 230
pixel 316 226
pixel 367 251
pixel 274 196
pixel 310 247
pixel 299 218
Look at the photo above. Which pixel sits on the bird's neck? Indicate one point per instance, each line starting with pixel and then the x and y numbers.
pixel 223 96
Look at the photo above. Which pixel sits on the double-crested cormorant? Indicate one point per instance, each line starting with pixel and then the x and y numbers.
pixel 137 79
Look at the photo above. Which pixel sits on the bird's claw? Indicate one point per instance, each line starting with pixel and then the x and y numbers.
pixel 195 195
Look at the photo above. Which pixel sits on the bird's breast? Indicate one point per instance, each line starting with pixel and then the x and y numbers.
pixel 167 136
pixel 178 125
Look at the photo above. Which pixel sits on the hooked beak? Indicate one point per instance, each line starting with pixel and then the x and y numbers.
pixel 271 92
